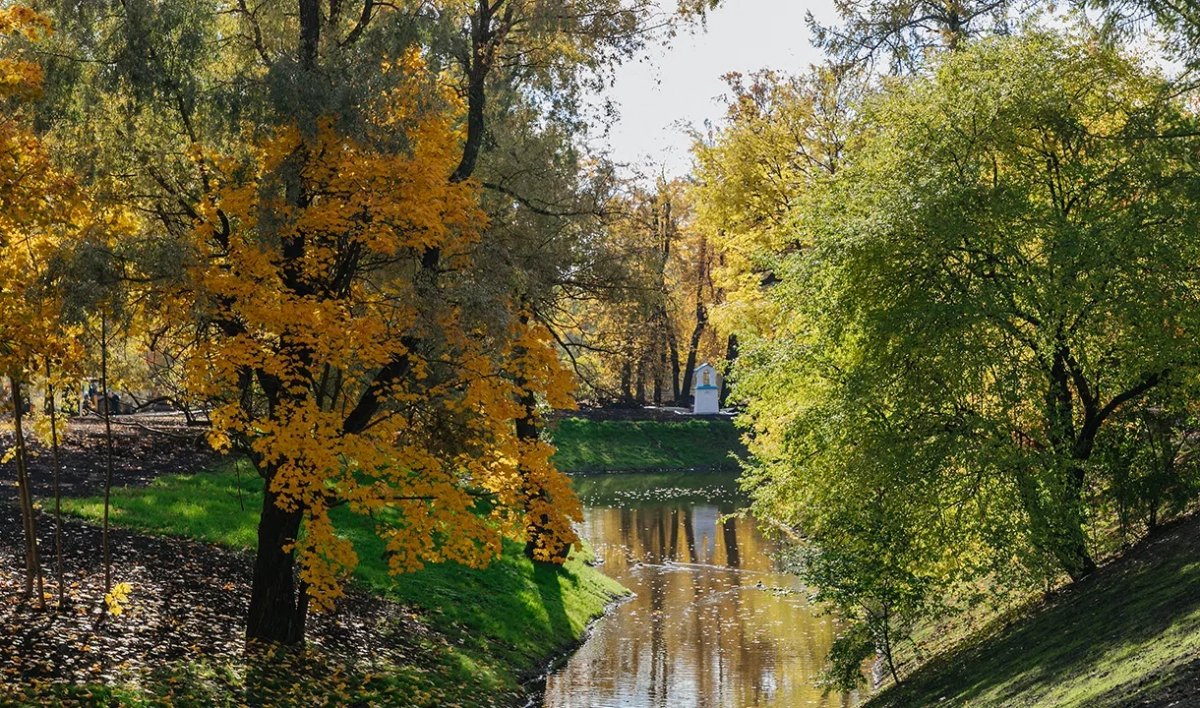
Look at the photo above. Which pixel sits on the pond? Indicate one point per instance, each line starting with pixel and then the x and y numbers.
pixel 713 621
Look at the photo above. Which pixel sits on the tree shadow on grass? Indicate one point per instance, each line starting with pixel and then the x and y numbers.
pixel 548 580
pixel 1118 611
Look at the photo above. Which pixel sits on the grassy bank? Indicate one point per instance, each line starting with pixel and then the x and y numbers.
pixel 490 626
pixel 623 445
pixel 1129 635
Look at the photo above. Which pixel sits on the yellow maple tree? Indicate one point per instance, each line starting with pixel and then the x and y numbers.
pixel 343 365
pixel 40 207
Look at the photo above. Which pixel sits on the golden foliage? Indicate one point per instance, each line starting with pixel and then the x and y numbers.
pixel 39 208
pixel 309 267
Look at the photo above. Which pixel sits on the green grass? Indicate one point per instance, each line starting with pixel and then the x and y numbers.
pixel 631 491
pixel 498 623
pixel 304 678
pixel 1129 634
pixel 599 446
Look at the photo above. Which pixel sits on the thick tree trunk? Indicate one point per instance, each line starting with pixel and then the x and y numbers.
pixel 276 613
pixel 310 33
pixel 674 345
pixel 693 347
pixel 1072 554
pixel 1071 550
pixel 639 383
pixel 1056 518
pixel 1063 522
pixel 626 383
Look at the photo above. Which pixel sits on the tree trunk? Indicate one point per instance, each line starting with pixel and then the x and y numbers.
pixel 1056 521
pixel 108 453
pixel 1063 522
pixel 674 345
pixel 701 321
pixel 1071 550
pixel 1072 554
pixel 639 384
pixel 693 348
pixel 33 568
pixel 276 613
pixel 626 383
pixel 658 378
pixel 58 553
pixel 731 354
pixel 310 33
pixel 537 535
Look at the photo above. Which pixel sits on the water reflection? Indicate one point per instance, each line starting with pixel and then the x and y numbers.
pixel 713 623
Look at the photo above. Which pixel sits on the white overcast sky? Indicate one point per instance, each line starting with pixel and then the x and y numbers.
pixel 680 85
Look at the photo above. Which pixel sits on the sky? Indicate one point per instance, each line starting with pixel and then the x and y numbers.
pixel 671 88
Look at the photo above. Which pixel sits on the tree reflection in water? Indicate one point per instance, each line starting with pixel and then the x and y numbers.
pixel 713 623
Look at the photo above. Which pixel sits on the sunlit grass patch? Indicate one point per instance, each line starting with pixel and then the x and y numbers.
pixel 597 446
pixel 496 625
pixel 276 678
pixel 1124 636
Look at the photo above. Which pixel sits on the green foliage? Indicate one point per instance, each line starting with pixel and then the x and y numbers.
pixel 849 652
pixel 903 36
pixel 597 446
pixel 1147 466
pixel 799 128
pixel 999 274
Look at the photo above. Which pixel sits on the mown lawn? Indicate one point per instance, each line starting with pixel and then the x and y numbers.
pixel 1129 635
pixel 623 445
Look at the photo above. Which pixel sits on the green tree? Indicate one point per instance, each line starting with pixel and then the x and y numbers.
pixel 1004 265
pixel 904 34
pixel 781 135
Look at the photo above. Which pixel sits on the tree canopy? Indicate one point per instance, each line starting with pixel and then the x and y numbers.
pixel 1002 270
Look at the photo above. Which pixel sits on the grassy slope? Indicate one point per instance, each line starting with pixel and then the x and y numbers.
pixel 1129 635
pixel 597 446
pixel 500 622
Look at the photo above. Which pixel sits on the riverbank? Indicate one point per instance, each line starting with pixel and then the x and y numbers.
pixel 446 635
pixel 1128 635
pixel 596 446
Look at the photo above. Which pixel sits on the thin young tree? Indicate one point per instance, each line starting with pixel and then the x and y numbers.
pixel 52 409
pixel 33 566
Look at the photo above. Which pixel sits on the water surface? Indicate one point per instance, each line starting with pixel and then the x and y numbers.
pixel 713 623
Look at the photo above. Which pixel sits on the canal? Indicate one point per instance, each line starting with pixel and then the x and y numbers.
pixel 713 621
